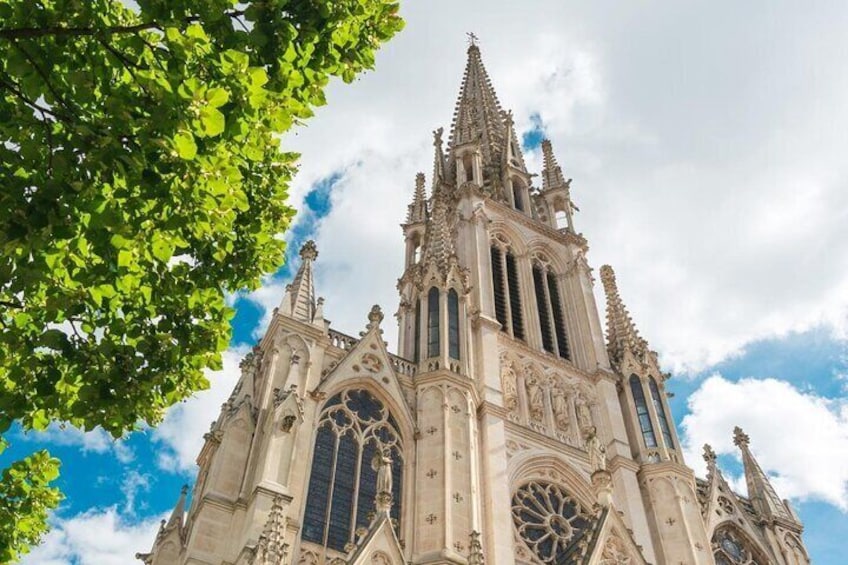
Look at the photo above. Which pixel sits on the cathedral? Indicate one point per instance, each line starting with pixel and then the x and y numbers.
pixel 506 429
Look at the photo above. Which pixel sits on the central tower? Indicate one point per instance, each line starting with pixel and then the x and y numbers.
pixel 505 431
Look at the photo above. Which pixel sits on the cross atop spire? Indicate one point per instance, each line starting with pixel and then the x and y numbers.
pixel 760 491
pixel 472 39
pixel 622 334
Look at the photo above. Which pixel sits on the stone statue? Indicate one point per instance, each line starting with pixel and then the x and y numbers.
pixel 559 404
pixel 597 452
pixel 535 399
pixel 510 395
pixel 584 414
pixel 382 463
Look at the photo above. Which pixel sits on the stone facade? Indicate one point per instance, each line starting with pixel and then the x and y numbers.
pixel 506 431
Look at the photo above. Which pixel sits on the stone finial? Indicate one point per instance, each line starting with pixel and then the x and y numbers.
pixel 475 553
pixel 375 316
pixel 740 438
pixel 309 251
pixel 709 454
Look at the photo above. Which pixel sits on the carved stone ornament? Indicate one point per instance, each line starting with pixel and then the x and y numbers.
pixel 615 551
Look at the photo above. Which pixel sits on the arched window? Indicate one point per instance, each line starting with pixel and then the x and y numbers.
pixel 507 292
pixel 416 347
pixel 560 219
pixel 518 195
pixel 453 324
pixel 658 407
pixel 468 165
pixel 642 412
pixel 731 548
pixel 353 428
pixel 551 315
pixel 433 322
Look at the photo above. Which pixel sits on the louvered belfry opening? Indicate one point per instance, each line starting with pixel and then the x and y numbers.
pixel 514 296
pixel 542 307
pixel 498 283
pixel 559 317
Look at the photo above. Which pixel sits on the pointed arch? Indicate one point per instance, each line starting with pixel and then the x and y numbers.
pixel 354 426
pixel 433 325
pixel 732 546
pixel 642 414
pixel 659 407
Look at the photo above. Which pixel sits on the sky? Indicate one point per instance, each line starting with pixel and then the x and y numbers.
pixel 707 144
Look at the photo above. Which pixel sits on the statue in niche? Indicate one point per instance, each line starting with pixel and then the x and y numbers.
pixel 535 398
pixel 559 404
pixel 597 452
pixel 584 413
pixel 510 394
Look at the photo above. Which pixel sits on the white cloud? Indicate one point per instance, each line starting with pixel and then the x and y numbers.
pixel 180 435
pixel 132 484
pixel 707 167
pixel 94 441
pixel 799 438
pixel 95 537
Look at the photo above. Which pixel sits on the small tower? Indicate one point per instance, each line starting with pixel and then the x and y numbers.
pixel 668 486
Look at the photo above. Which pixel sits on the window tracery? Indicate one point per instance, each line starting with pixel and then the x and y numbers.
pixel 354 427
pixel 729 548
pixel 547 519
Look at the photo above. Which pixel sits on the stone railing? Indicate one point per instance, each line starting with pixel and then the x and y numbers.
pixel 346 343
pixel 342 341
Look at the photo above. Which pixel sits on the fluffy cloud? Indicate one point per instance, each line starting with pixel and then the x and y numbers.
pixel 707 153
pixel 94 441
pixel 95 537
pixel 180 435
pixel 799 438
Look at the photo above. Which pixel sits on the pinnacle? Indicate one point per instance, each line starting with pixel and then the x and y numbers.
pixel 299 300
pixel 621 331
pixel 551 171
pixel 760 491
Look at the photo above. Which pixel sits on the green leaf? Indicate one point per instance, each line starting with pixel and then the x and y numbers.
pixel 186 148
pixel 213 121
pixel 217 97
pixel 162 249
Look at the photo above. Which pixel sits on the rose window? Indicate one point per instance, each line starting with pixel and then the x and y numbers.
pixel 547 519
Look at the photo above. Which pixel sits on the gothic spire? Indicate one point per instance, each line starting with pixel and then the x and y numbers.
pixel 478 115
pixel 551 172
pixel 762 494
pixel 417 210
pixel 299 300
pixel 622 334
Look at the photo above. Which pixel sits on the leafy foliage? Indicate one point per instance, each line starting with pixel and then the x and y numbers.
pixel 25 499
pixel 141 180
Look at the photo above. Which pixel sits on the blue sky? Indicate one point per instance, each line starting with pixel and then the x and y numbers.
pixel 708 161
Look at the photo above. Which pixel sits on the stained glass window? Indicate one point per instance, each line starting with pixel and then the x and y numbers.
pixel 660 410
pixel 731 548
pixel 342 485
pixel 433 322
pixel 642 412
pixel 453 324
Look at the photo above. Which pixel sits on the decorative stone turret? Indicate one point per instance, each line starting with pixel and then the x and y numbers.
pixel 299 300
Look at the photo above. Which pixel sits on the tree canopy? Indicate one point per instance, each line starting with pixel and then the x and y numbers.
pixel 142 180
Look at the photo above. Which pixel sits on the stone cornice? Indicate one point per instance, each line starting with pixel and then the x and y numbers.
pixel 565 238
